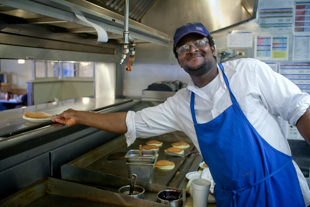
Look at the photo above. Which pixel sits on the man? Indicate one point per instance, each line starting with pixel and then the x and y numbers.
pixel 2 93
pixel 230 113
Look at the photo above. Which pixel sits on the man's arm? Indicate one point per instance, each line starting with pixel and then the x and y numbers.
pixel 303 125
pixel 111 122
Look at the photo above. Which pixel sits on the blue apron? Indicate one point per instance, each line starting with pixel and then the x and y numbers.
pixel 246 169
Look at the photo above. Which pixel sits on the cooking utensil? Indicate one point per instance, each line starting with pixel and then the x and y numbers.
pixel 132 183
pixel 184 155
pixel 140 149
pixel 138 191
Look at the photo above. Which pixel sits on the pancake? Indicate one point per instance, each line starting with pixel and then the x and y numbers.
pixel 175 150
pixel 154 142
pixel 150 147
pixel 181 145
pixel 38 115
pixel 164 165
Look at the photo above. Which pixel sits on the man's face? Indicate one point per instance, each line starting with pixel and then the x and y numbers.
pixel 196 61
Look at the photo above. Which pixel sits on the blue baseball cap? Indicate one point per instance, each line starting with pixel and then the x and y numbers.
pixel 189 28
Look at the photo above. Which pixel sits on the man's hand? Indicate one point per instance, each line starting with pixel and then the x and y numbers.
pixel 67 117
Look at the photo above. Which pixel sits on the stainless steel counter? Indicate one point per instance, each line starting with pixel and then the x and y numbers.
pixel 11 120
pixel 32 151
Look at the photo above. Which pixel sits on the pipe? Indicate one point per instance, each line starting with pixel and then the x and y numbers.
pixel 129 43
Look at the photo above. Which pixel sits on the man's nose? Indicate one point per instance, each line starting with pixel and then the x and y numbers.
pixel 192 48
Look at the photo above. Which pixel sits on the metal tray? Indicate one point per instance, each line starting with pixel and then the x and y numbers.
pixel 51 192
pixel 147 156
pixel 143 170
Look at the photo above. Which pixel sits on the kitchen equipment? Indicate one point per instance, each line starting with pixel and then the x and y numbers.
pixel 55 192
pixel 132 183
pixel 141 163
pixel 138 191
pixel 132 189
pixel 97 163
pixel 141 156
pixel 170 197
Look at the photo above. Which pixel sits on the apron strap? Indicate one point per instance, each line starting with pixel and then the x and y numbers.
pixel 258 182
pixel 233 99
pixel 192 104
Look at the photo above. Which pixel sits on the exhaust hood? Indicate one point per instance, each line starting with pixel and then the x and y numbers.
pixel 53 24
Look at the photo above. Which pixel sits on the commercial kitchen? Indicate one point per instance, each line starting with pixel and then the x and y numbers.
pixel 107 56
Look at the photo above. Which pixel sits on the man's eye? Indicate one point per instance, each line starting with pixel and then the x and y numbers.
pixel 201 42
pixel 185 47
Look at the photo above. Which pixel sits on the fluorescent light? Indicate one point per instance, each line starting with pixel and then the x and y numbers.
pixel 21 61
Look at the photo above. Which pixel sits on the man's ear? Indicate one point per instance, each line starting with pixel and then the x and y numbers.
pixel 213 50
pixel 178 60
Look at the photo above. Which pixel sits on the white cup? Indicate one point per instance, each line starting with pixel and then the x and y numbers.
pixel 200 189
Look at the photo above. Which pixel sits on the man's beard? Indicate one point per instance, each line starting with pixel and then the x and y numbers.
pixel 200 70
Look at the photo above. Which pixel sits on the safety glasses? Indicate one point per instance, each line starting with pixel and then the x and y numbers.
pixel 184 49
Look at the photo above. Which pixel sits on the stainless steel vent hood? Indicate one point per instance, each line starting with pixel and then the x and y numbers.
pixel 52 24
pixel 32 22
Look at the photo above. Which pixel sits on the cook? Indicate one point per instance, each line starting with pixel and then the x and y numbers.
pixel 230 112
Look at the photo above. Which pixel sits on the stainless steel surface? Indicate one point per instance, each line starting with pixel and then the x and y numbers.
pixel 148 95
pixel 141 163
pixel 144 170
pixel 11 120
pixel 37 152
pixel 58 14
pixel 138 8
pixel 167 15
pixel 137 191
pixel 147 156
pixel 98 162
pixel 53 192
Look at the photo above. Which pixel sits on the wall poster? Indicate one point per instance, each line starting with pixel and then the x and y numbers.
pixel 239 39
pixel 301 47
pixel 302 17
pixel 276 20
pixel 273 66
pixel 271 47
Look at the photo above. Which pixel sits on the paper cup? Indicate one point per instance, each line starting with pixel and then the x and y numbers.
pixel 200 192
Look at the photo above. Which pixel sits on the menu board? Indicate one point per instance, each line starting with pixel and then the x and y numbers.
pixel 273 66
pixel 298 73
pixel 276 19
pixel 271 47
pixel 301 47
pixel 302 17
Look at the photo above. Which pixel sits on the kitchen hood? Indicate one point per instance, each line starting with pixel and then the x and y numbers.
pixel 54 24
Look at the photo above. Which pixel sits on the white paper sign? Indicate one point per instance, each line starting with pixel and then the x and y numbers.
pixel 239 39
pixel 101 33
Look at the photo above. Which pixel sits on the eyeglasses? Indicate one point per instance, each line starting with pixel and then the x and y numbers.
pixel 196 44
